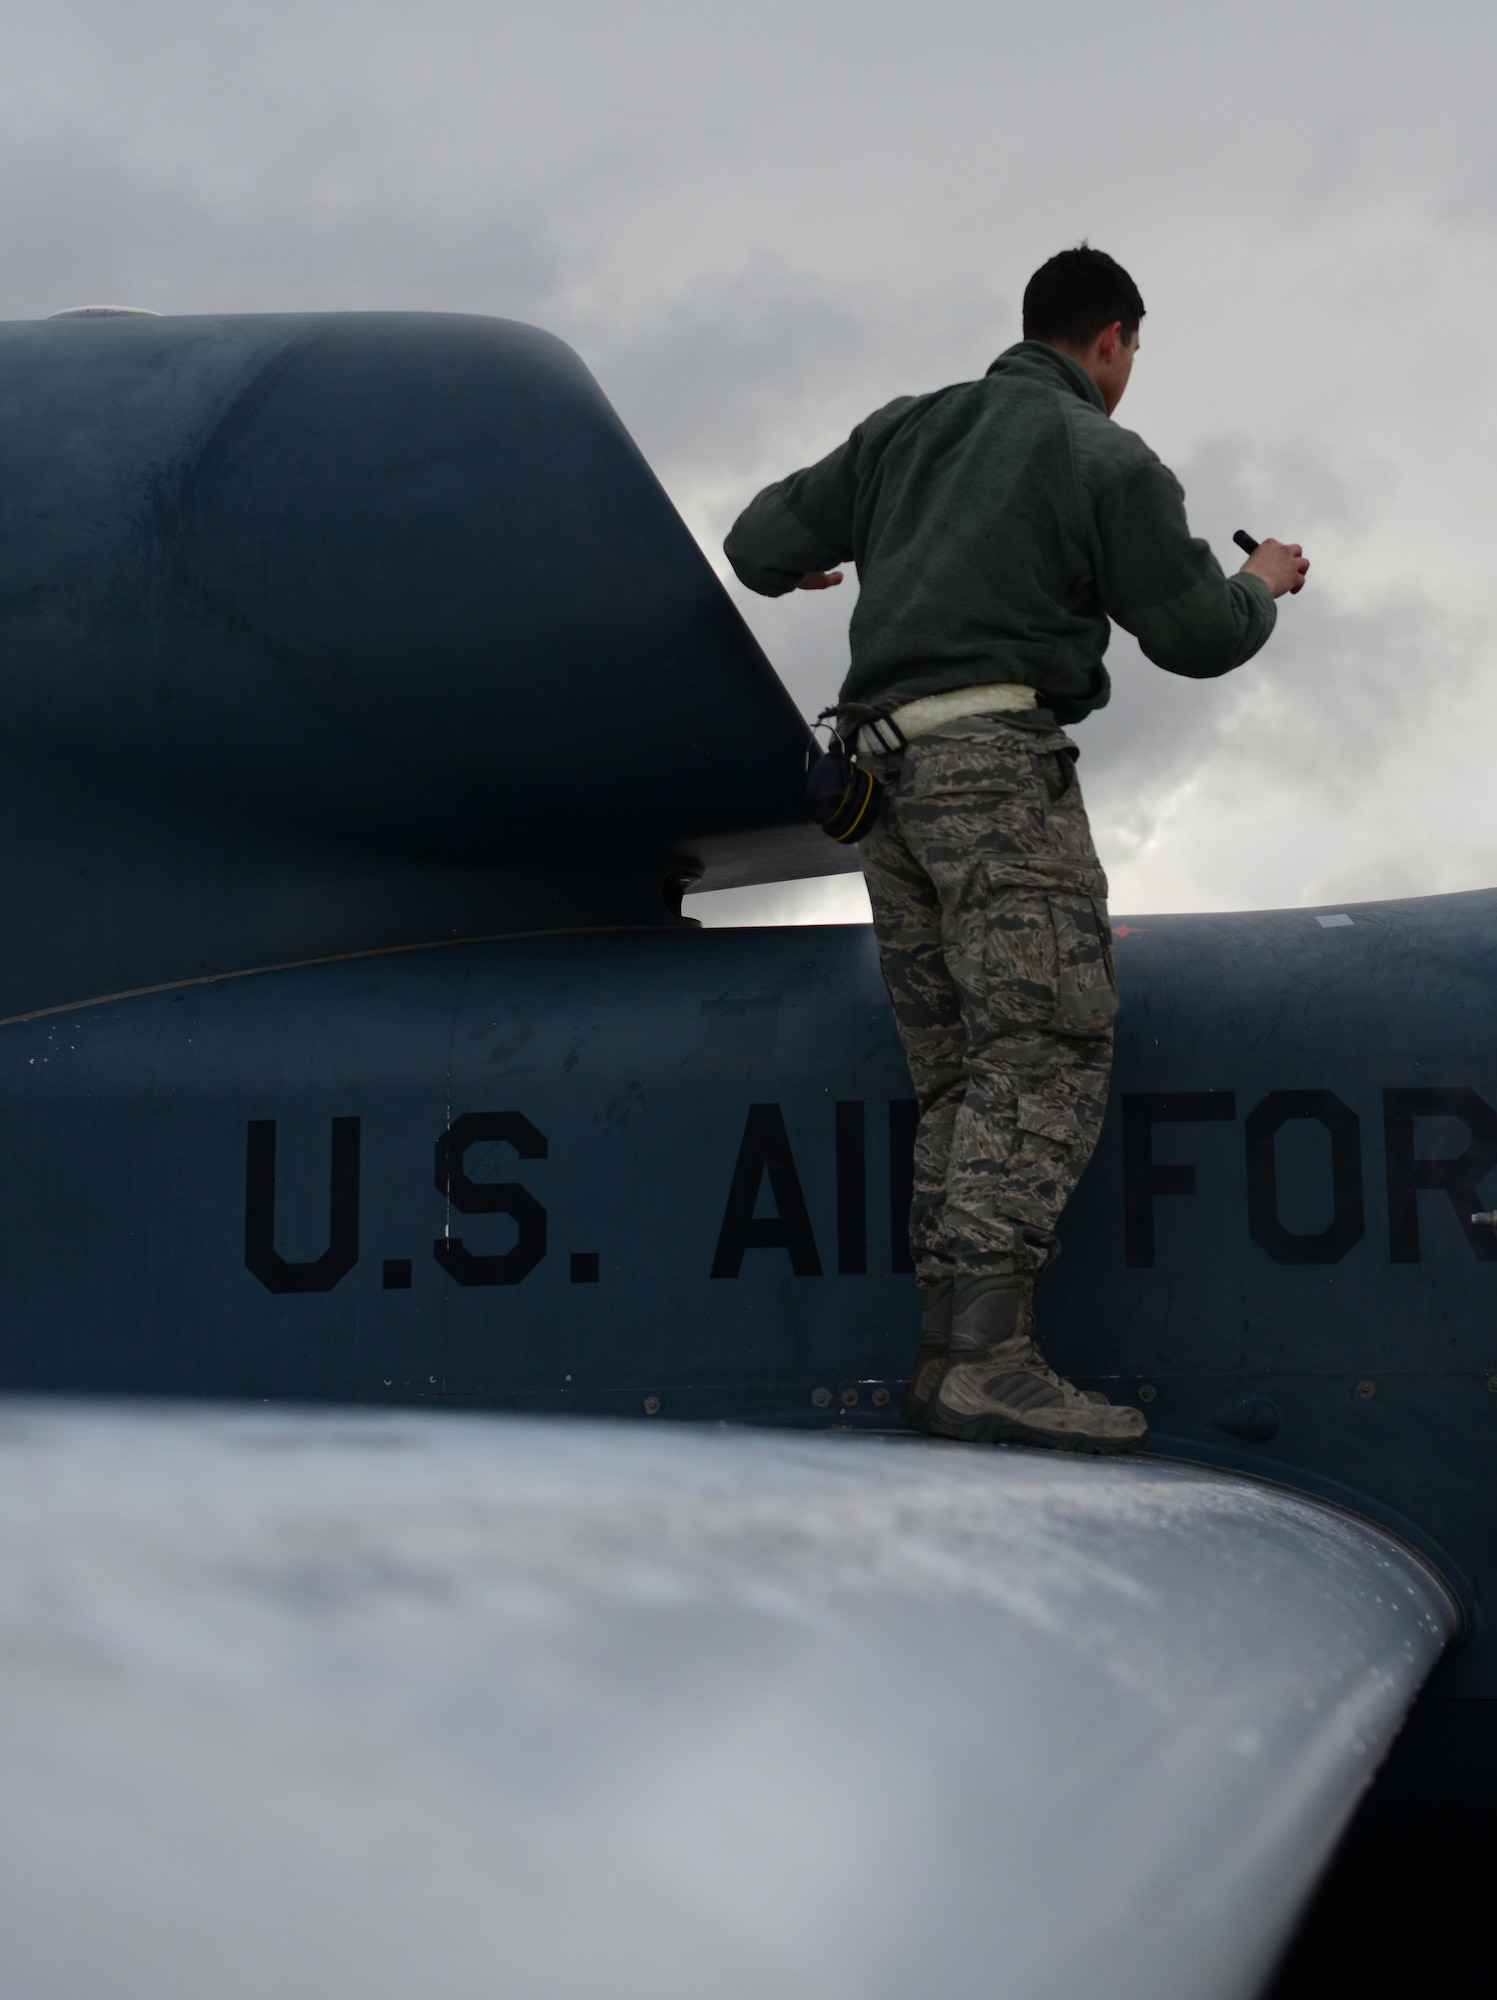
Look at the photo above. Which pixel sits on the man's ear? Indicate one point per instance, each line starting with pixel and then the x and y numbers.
pixel 1110 337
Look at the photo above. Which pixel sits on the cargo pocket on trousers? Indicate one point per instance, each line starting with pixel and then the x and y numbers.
pixel 1044 1118
pixel 1086 995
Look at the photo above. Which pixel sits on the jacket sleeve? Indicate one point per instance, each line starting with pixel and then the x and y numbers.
pixel 800 524
pixel 1163 584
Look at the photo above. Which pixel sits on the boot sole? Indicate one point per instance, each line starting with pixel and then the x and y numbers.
pixel 1008 1430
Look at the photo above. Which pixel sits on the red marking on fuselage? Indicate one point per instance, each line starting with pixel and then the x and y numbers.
pixel 1129 930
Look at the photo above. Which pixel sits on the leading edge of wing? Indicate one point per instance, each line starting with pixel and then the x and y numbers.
pixel 417 1704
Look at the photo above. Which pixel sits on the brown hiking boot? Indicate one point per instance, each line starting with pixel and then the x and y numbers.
pixel 998 1389
pixel 935 1352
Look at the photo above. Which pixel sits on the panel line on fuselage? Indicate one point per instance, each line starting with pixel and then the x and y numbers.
pixel 331 958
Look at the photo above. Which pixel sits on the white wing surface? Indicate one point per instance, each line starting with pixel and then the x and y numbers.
pixel 397 1705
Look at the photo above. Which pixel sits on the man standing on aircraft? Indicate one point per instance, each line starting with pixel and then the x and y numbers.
pixel 997 526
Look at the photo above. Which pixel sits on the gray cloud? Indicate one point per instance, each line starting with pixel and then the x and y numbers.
pixel 76 227
pixel 1337 718
pixel 772 360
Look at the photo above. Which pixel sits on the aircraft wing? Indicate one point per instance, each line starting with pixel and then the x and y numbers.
pixel 410 1704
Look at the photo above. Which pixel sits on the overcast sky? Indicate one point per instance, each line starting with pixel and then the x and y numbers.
pixel 758 223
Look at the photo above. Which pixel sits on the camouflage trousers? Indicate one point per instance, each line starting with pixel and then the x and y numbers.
pixel 990 908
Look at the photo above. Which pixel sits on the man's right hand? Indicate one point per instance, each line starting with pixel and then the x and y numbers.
pixel 1283 566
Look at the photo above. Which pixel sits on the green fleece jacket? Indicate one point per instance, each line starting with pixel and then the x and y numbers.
pixel 997 526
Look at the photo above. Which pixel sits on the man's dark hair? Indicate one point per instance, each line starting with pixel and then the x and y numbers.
pixel 1072 298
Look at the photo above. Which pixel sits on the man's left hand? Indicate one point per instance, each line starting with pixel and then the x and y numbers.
pixel 820 579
